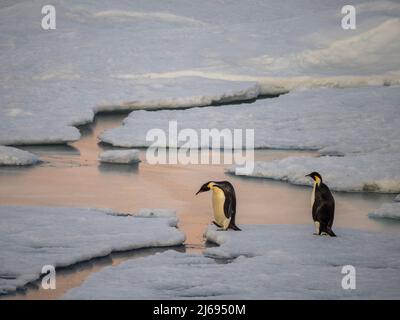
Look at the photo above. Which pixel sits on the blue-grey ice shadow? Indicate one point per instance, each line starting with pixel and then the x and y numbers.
pixel 52 149
pixel 111 168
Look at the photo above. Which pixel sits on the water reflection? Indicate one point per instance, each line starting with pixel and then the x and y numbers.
pixel 48 150
pixel 75 275
pixel 111 168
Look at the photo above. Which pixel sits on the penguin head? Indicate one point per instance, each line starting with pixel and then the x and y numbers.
pixel 315 176
pixel 205 187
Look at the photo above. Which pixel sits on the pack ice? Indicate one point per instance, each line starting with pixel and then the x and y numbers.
pixel 387 210
pixel 10 156
pixel 149 55
pixel 359 124
pixel 31 237
pixel 269 262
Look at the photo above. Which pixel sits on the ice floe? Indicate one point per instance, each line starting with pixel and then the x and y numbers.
pixel 31 237
pixel 10 156
pixel 387 210
pixel 358 127
pixel 333 121
pixel 120 156
pixel 133 55
pixel 271 262
pixel 373 172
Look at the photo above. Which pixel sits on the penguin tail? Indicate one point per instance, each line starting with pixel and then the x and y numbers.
pixel 234 227
pixel 330 232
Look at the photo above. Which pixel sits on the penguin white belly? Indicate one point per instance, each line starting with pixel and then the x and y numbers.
pixel 313 195
pixel 218 201
pixel 316 223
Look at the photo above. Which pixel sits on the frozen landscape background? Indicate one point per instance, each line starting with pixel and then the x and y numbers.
pixel 338 95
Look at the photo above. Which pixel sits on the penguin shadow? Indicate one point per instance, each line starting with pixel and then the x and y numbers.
pixel 112 168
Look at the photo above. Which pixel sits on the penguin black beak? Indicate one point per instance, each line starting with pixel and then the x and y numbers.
pixel 308 175
pixel 203 188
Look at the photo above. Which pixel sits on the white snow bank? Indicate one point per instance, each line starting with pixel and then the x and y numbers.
pixel 31 237
pixel 120 156
pixel 361 124
pixel 206 51
pixel 274 262
pixel 387 210
pixel 333 121
pixel 155 213
pixel 397 198
pixel 186 92
pixel 373 172
pixel 10 156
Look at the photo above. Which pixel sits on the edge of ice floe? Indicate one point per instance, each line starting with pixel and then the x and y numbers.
pixel 152 212
pixel 386 211
pixel 262 86
pixel 127 156
pixel 238 95
pixel 169 214
pixel 10 156
pixel 170 219
pixel 293 170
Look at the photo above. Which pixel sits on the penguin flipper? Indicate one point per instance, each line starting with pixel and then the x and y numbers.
pixel 230 209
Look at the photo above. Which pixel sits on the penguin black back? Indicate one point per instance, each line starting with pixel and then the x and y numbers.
pixel 230 202
pixel 323 206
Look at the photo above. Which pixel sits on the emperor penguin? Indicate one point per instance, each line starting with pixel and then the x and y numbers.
pixel 224 203
pixel 322 205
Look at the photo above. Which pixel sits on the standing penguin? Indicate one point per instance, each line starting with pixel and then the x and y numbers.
pixel 224 203
pixel 323 206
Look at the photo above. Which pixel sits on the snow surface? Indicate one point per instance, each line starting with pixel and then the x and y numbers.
pixel 31 237
pixel 120 156
pixel 397 198
pixel 387 210
pixel 272 262
pixel 172 54
pixel 10 156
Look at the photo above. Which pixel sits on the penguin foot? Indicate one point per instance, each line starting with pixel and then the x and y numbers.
pixel 323 233
pixel 328 232
pixel 234 227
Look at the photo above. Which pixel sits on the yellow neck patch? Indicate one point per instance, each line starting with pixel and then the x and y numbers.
pixel 317 181
pixel 210 185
